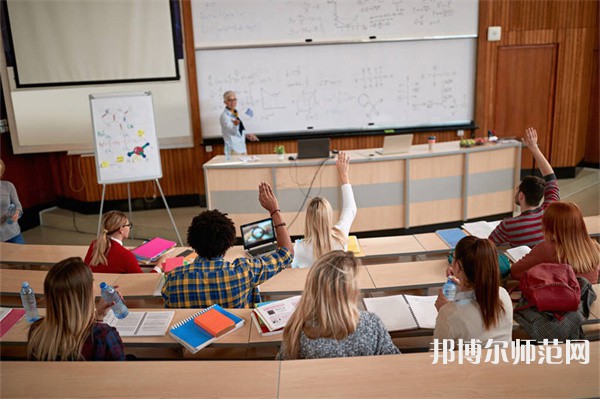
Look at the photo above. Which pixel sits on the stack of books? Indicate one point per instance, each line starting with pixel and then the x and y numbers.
pixel 271 317
pixel 205 327
pixel 151 250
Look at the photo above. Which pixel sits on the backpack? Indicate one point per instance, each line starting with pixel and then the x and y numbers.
pixel 551 287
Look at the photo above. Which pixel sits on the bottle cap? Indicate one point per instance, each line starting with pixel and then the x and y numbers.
pixel 25 284
pixel 103 285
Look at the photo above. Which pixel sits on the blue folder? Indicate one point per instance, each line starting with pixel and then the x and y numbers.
pixel 451 236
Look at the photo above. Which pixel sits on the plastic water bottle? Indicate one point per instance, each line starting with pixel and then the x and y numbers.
pixel 12 208
pixel 227 151
pixel 29 303
pixel 110 295
pixel 449 289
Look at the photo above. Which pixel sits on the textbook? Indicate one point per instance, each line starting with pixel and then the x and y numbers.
pixel 404 312
pixel 517 253
pixel 260 325
pixel 152 250
pixel 451 236
pixel 214 322
pixel 276 314
pixel 8 319
pixel 480 229
pixel 193 337
pixel 141 324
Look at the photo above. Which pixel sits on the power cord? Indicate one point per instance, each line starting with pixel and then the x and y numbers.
pixel 307 194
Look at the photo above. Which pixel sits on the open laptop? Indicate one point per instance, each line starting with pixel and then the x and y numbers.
pixel 313 148
pixel 397 144
pixel 259 237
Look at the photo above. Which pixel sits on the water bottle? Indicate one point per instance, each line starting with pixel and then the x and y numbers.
pixel 12 208
pixel 227 151
pixel 29 303
pixel 110 295
pixel 449 289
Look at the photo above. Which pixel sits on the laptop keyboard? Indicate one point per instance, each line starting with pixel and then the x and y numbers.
pixel 254 252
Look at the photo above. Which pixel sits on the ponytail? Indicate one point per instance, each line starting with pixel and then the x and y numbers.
pixel 111 223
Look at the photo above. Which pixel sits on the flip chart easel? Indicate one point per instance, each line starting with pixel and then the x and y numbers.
pixel 125 143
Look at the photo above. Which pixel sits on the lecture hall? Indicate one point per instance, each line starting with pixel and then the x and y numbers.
pixel 342 198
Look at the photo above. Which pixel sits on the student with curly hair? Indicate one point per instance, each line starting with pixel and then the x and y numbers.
pixel 213 280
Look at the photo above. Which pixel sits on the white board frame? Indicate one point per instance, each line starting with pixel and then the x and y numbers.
pixel 129 115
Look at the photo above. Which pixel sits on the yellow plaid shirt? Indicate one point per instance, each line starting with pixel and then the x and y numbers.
pixel 216 281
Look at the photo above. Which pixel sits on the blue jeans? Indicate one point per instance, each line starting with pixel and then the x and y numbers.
pixel 18 239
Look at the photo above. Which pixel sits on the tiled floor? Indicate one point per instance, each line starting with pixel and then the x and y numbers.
pixel 60 226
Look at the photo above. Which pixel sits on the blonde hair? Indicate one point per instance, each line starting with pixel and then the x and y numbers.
pixel 111 223
pixel 329 304
pixel 563 225
pixel 69 313
pixel 2 168
pixel 319 231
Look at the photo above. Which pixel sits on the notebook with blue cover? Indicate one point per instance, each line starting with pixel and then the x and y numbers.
pixel 193 337
pixel 451 236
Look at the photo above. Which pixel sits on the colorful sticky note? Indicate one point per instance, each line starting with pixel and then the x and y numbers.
pixel 104 164
pixel 141 133
pixel 120 158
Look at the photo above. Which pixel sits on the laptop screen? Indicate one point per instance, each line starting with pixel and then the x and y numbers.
pixel 258 233
pixel 313 148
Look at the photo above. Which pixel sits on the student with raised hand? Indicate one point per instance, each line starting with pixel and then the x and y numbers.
pixel 526 228
pixel 320 234
pixel 566 240
pixel 213 280
pixel 481 309
pixel 107 254
pixel 327 322
pixel 73 328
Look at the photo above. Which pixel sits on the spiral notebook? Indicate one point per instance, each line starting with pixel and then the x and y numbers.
pixel 404 312
pixel 193 337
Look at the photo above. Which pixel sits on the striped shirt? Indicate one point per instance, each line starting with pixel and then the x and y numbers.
pixel 215 281
pixel 526 229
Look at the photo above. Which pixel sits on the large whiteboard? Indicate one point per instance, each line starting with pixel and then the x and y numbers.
pixel 255 22
pixel 340 87
pixel 125 140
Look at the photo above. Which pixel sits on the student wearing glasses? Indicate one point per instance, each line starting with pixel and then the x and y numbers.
pixel 107 254
pixel 232 127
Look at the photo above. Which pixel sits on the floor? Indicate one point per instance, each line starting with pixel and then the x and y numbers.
pixel 60 226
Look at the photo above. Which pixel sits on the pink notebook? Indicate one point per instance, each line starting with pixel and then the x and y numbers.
pixel 8 321
pixel 173 263
pixel 153 248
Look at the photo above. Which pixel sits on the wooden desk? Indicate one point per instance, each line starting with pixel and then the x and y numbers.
pixel 17 336
pixel 424 274
pixel 415 375
pixel 593 225
pixel 432 243
pixel 419 188
pixel 291 282
pixel 10 281
pixel 139 379
pixel 390 246
pixel 41 254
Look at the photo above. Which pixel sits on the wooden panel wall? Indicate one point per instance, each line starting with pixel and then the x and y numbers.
pixel 571 26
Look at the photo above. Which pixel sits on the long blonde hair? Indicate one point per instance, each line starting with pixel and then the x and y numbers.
pixel 329 304
pixel 111 223
pixel 69 313
pixel 319 231
pixel 563 225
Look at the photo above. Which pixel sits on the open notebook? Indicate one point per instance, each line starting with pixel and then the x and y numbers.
pixel 404 312
pixel 141 324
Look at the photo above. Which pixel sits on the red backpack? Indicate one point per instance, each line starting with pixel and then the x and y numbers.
pixel 551 287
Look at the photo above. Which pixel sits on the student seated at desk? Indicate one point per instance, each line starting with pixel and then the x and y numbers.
pixel 526 228
pixel 213 280
pixel 566 241
pixel 107 254
pixel 327 322
pixel 481 309
pixel 320 235
pixel 73 328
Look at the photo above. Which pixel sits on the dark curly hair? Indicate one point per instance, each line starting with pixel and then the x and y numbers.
pixel 211 234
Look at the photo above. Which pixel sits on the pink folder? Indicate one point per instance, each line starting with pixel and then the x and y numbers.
pixel 153 248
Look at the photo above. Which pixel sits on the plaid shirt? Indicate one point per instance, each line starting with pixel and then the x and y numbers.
pixel 104 344
pixel 216 281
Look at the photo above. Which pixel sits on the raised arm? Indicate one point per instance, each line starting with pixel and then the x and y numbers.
pixel 343 164
pixel 531 141
pixel 267 200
